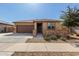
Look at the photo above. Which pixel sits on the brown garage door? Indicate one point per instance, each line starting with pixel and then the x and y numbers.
pixel 24 28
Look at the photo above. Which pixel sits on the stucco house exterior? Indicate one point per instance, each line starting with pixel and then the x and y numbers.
pixel 38 26
pixel 6 27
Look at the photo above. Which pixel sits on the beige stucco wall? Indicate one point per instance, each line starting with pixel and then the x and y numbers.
pixel 44 25
pixel 8 28
pixel 35 29
pixel 58 26
pixel 24 23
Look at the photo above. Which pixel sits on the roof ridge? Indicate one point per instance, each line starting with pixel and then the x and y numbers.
pixel 31 20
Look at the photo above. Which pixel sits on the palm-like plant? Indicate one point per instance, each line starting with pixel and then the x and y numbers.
pixel 70 17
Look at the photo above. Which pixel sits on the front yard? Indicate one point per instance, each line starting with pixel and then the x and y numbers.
pixel 53 38
pixel 27 45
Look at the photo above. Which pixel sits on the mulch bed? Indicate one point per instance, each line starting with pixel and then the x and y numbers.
pixel 32 40
pixel 73 41
pixel 39 53
pixel 44 41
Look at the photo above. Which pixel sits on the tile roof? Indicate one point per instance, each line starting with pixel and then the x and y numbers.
pixel 47 20
pixel 38 20
pixel 4 22
pixel 24 21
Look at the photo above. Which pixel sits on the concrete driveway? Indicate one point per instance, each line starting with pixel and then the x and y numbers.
pixel 14 37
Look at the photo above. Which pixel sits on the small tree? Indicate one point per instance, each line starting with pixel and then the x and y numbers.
pixel 70 17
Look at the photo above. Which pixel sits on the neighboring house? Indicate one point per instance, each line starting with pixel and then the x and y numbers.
pixel 6 27
pixel 38 26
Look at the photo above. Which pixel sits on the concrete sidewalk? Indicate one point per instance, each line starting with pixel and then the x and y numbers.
pixel 9 48
pixel 6 53
pixel 58 47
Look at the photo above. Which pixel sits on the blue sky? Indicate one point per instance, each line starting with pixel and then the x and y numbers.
pixel 18 11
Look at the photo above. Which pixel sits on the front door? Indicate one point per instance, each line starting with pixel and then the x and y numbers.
pixel 39 27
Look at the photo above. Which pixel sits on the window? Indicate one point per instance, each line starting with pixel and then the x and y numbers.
pixel 50 26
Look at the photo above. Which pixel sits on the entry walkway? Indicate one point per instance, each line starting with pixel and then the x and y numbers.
pixel 39 36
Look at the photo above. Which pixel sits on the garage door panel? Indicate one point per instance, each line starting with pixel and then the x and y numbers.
pixel 24 28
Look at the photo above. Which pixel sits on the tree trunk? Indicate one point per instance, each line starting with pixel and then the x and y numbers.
pixel 70 30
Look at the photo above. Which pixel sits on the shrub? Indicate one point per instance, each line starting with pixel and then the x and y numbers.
pixel 68 37
pixel 53 37
pixel 47 38
pixel 63 38
pixel 58 36
pixel 50 37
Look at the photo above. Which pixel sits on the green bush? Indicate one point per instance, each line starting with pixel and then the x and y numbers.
pixel 53 37
pixel 50 37
pixel 58 36
pixel 63 38
pixel 47 38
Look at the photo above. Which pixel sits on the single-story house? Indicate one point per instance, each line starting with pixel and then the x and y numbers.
pixel 6 27
pixel 38 26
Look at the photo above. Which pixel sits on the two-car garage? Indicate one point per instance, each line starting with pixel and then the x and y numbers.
pixel 24 27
